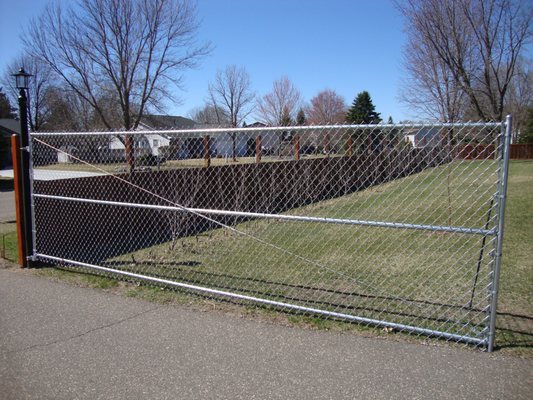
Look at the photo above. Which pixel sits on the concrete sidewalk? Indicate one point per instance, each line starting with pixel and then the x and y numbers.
pixel 63 342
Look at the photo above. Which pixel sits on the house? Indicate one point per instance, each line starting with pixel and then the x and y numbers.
pixel 190 144
pixel 423 137
pixel 8 127
pixel 66 154
pixel 153 142
pixel 245 142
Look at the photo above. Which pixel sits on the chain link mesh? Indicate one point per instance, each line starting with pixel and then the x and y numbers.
pixel 390 225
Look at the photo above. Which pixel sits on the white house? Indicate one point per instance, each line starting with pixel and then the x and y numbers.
pixel 65 153
pixel 190 145
pixel 423 137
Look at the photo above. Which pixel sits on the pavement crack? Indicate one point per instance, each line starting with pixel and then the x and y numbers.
pixel 98 328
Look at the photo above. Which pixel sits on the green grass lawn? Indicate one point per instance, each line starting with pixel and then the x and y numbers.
pixel 515 319
pixel 8 242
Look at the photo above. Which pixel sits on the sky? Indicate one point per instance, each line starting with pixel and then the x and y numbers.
pixel 344 45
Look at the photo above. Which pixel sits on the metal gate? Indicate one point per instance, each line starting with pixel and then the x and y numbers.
pixel 398 226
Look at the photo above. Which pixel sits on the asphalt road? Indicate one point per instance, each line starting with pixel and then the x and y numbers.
pixel 63 342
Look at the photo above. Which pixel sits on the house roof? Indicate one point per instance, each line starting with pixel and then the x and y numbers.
pixel 9 126
pixel 167 122
pixel 256 125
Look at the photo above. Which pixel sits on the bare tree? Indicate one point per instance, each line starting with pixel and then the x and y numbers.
pixel 231 92
pixel 281 105
pixel 132 48
pixel 475 43
pixel 42 81
pixel 430 86
pixel 327 107
pixel 520 97
pixel 210 115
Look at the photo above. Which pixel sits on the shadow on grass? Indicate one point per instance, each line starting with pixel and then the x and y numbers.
pixel 514 330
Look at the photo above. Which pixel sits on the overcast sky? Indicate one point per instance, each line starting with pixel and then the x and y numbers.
pixel 345 45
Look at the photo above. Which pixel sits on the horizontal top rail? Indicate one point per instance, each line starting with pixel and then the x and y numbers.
pixel 278 128
pixel 341 221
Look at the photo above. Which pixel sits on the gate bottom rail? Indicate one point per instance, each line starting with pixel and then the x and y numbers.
pixel 369 321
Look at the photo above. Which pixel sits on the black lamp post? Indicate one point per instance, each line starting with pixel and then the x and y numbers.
pixel 22 83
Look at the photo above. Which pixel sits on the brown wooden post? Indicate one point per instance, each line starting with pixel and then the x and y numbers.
pixel 258 149
pixel 349 146
pixel 17 180
pixel 296 147
pixel 326 144
pixel 207 155
pixel 129 146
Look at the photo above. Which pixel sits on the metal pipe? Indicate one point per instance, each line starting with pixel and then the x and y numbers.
pixel 277 129
pixel 32 202
pixel 499 239
pixel 369 321
pixel 381 224
pixel 25 173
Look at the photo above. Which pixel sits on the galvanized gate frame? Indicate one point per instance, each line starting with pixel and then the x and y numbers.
pixel 487 342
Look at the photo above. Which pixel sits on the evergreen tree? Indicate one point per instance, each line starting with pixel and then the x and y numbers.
pixel 6 111
pixel 300 117
pixel 392 133
pixel 363 110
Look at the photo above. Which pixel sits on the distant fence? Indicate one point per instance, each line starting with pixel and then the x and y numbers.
pixel 475 152
pixel 522 151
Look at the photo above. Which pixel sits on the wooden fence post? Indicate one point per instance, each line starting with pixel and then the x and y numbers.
pixel 17 180
pixel 129 148
pixel 296 147
pixel 326 144
pixel 207 155
pixel 349 146
pixel 258 149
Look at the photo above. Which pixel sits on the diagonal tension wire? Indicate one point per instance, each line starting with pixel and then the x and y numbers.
pixel 221 224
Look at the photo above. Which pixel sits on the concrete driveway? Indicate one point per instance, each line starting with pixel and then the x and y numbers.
pixel 52 175
pixel 63 342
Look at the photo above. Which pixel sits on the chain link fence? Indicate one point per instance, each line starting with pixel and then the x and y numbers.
pixel 397 226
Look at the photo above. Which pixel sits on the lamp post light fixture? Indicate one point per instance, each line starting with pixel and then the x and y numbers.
pixel 22 83
pixel 22 79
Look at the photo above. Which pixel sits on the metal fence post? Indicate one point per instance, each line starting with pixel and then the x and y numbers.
pixel 499 244
pixel 25 177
